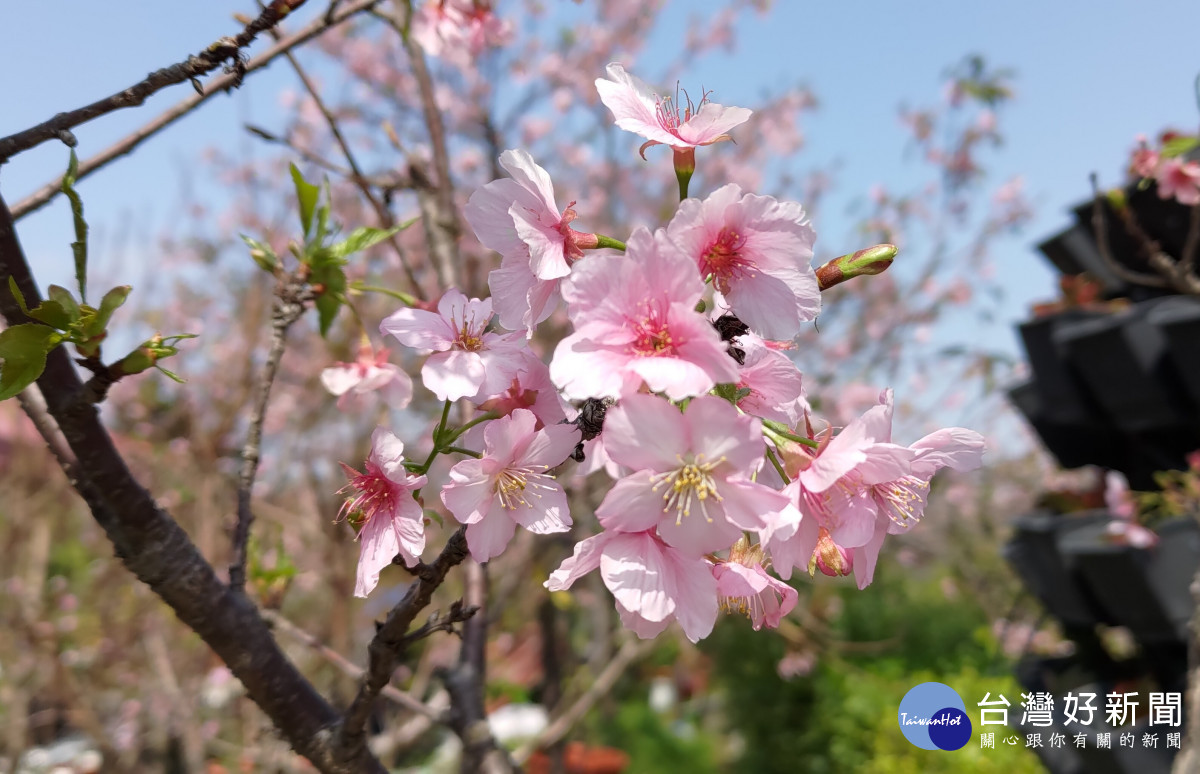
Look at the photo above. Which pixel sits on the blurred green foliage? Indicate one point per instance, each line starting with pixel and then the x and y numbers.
pixel 903 630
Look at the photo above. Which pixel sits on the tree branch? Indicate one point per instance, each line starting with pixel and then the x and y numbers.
pixel 1191 245
pixel 392 639
pixel 351 669
pixel 1100 230
pixel 221 51
pixel 292 295
pixel 384 215
pixel 43 195
pixel 436 198
pixel 465 683
pixel 154 547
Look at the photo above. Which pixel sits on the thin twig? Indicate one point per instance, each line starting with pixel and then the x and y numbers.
pixel 630 652
pixel 351 669
pixel 387 184
pixel 1191 245
pixel 392 640
pixel 292 296
pixel 1100 229
pixel 386 219
pixel 227 49
pixel 43 195
pixel 437 199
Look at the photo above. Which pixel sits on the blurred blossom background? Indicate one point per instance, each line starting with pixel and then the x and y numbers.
pixel 961 132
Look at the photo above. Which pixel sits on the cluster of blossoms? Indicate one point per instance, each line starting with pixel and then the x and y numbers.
pixel 1176 176
pixel 678 344
pixel 458 30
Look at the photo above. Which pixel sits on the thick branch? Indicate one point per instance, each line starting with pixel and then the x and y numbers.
pixel 43 195
pixel 392 639
pixel 224 50
pixel 154 547
pixel 291 297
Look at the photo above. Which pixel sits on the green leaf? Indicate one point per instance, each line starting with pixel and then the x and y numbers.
pixel 1177 146
pixel 63 297
pixel 171 375
pixel 329 302
pixel 23 350
pixel 17 294
pixel 323 213
pixel 112 301
pixel 53 314
pixel 262 254
pixel 79 246
pixel 322 259
pixel 362 238
pixel 306 195
pixel 50 312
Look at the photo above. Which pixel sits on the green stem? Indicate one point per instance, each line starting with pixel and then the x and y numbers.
pixel 778 468
pixel 780 430
pixel 437 441
pixel 454 435
pixel 684 179
pixel 461 450
pixel 399 295
pixel 607 241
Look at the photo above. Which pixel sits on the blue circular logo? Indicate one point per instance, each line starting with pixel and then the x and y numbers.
pixel 933 717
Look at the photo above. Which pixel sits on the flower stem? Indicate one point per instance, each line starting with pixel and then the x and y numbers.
pixel 399 295
pixel 778 468
pixel 454 436
pixel 461 450
pixel 779 430
pixel 607 241
pixel 684 179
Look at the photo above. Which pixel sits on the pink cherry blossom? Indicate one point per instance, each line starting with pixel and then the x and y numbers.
pixel 392 521
pixel 774 382
pixel 530 389
pixel 370 374
pixel 636 108
pixel 653 583
pixel 692 473
pixel 1179 179
pixel 468 360
pixel 744 586
pixel 1144 160
pixel 509 485
pixel 522 300
pixel 519 217
pixel 859 487
pixel 635 321
pixel 1117 497
pixel 1124 528
pixel 758 251
pixel 458 30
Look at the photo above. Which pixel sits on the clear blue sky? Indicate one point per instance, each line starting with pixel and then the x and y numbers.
pixel 1090 76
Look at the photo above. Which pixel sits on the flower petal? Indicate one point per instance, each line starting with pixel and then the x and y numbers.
pixel 631 505
pixel 634 570
pixel 645 432
pixel 488 537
